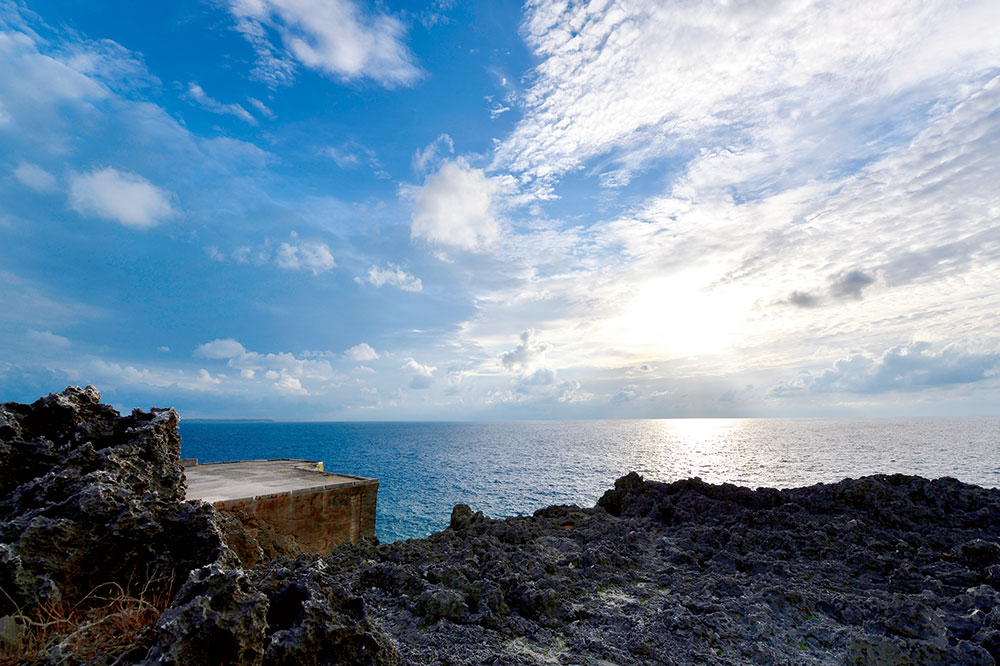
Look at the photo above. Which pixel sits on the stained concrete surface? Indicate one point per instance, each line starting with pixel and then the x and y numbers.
pixel 218 482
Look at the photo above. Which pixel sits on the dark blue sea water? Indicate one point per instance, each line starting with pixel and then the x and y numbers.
pixel 511 468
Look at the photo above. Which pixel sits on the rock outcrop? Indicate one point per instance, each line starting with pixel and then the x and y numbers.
pixel 88 497
pixel 877 570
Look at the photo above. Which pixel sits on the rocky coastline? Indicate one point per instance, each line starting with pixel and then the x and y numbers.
pixel 885 569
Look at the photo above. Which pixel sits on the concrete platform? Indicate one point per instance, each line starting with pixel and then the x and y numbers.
pixel 315 510
pixel 250 479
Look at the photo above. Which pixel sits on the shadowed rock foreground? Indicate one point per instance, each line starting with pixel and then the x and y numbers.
pixel 878 570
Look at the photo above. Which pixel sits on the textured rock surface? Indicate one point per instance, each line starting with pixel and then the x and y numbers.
pixel 877 570
pixel 283 613
pixel 89 497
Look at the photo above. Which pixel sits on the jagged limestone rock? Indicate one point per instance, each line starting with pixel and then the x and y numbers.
pixel 882 569
pixel 89 497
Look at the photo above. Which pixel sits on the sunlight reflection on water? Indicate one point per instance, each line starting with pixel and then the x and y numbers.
pixel 515 468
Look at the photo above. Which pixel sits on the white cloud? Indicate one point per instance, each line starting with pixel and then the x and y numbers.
pixel 361 352
pixel 293 254
pixel 639 81
pixel 345 159
pixel 909 367
pixel 110 373
pixel 274 365
pixel 626 394
pixel 906 245
pixel 868 197
pixel 434 154
pixel 282 371
pixel 616 178
pixel 215 253
pixel 569 391
pixel 46 338
pixel 262 108
pixel 220 348
pixel 110 63
pixel 332 36
pixel 116 374
pixel 288 384
pixel 422 375
pixel 35 177
pixel 527 354
pixel 42 78
pixel 455 207
pixel 206 377
pixel 126 198
pixel 395 276
pixel 306 255
pixel 163 349
pixel 196 94
pixel 352 155
pixel 540 377
pixel 496 108
pixel 242 156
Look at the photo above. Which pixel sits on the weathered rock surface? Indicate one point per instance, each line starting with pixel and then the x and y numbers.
pixel 89 497
pixel 286 613
pixel 878 570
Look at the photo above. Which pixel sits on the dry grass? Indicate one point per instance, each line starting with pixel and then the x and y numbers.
pixel 108 622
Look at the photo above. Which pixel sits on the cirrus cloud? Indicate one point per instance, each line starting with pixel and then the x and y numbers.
pixel 629 84
pixel 197 94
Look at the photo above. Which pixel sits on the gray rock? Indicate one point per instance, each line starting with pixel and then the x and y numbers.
pixel 886 569
pixel 89 497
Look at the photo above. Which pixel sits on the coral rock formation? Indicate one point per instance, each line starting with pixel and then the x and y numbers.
pixel 877 570
pixel 89 497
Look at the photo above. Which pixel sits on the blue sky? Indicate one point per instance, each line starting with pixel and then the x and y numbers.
pixel 330 210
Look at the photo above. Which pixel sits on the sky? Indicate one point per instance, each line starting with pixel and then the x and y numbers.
pixel 443 210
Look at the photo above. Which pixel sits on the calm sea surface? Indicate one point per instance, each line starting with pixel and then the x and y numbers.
pixel 515 468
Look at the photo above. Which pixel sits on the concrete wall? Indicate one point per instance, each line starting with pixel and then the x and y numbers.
pixel 317 518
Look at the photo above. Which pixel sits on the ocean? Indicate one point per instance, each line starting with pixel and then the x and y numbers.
pixel 514 468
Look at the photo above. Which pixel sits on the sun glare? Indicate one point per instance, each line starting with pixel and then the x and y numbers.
pixel 681 316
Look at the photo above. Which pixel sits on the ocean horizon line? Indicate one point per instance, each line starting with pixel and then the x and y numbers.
pixel 279 420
